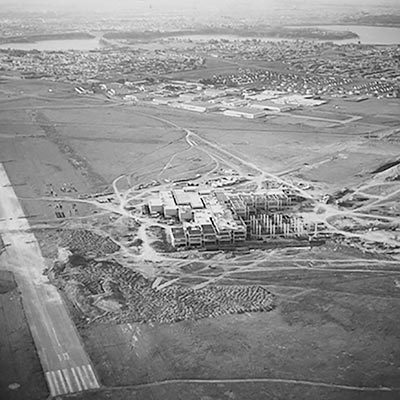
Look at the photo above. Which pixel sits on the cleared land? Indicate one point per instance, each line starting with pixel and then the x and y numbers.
pixel 320 332
pixel 334 334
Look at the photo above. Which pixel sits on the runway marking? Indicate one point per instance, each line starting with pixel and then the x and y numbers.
pixel 65 356
pixel 76 379
pixel 50 383
pixel 68 380
pixel 85 386
pixel 92 377
pixel 86 375
pixel 62 380
pixel 55 382
pixel 55 336
pixel 71 380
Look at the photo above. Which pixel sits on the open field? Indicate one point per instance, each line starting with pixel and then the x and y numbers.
pixel 334 333
pixel 238 390
pixel 272 144
pixel 319 332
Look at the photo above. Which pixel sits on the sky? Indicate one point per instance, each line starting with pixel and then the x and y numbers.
pixel 192 5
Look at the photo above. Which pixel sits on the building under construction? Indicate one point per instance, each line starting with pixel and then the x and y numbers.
pixel 206 218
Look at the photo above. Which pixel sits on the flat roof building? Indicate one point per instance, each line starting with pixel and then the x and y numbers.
pixel 238 205
pixel 185 213
pixel 249 113
pixel 193 234
pixel 178 237
pixel 156 205
pixel 163 100
pixel 217 217
pixel 271 106
pixel 188 197
pixel 170 207
pixel 198 106
pixel 181 197
pixel 195 200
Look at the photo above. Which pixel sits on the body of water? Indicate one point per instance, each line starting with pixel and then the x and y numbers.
pixel 56 45
pixel 367 35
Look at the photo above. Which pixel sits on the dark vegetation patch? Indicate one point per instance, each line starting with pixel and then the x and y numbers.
pixel 105 292
pixel 82 242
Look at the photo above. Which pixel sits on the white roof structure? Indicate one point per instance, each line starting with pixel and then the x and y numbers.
pixel 245 112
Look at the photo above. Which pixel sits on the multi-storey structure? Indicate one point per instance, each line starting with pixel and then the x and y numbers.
pixel 224 218
pixel 178 237
pixel 170 208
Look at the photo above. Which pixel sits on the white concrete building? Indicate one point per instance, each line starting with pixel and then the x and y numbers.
pixel 170 207
pixel 185 213
pixel 249 113
pixel 198 106
pixel 155 205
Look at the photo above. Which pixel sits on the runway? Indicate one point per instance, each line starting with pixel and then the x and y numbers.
pixel 65 363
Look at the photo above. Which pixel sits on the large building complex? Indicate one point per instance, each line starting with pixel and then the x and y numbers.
pixel 206 218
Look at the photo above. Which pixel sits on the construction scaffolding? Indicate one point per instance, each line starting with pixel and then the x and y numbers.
pixel 263 226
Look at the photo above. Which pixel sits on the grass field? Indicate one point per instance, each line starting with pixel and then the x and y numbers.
pixel 236 391
pixel 328 327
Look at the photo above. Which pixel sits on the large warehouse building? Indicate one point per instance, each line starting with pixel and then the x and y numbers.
pixel 244 112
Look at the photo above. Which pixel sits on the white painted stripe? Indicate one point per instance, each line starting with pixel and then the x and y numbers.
pixel 84 384
pixel 76 379
pixel 54 379
pixel 61 379
pixel 92 377
pixel 71 380
pixel 68 380
pixel 86 375
pixel 50 383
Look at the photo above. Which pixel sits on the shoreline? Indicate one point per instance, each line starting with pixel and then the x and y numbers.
pixel 46 37
pixel 347 24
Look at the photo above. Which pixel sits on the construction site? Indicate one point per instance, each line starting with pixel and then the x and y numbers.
pixel 218 218
pixel 154 252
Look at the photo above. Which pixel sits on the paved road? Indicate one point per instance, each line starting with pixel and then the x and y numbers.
pixel 65 363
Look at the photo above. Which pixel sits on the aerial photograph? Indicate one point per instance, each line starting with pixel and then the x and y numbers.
pixel 200 200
